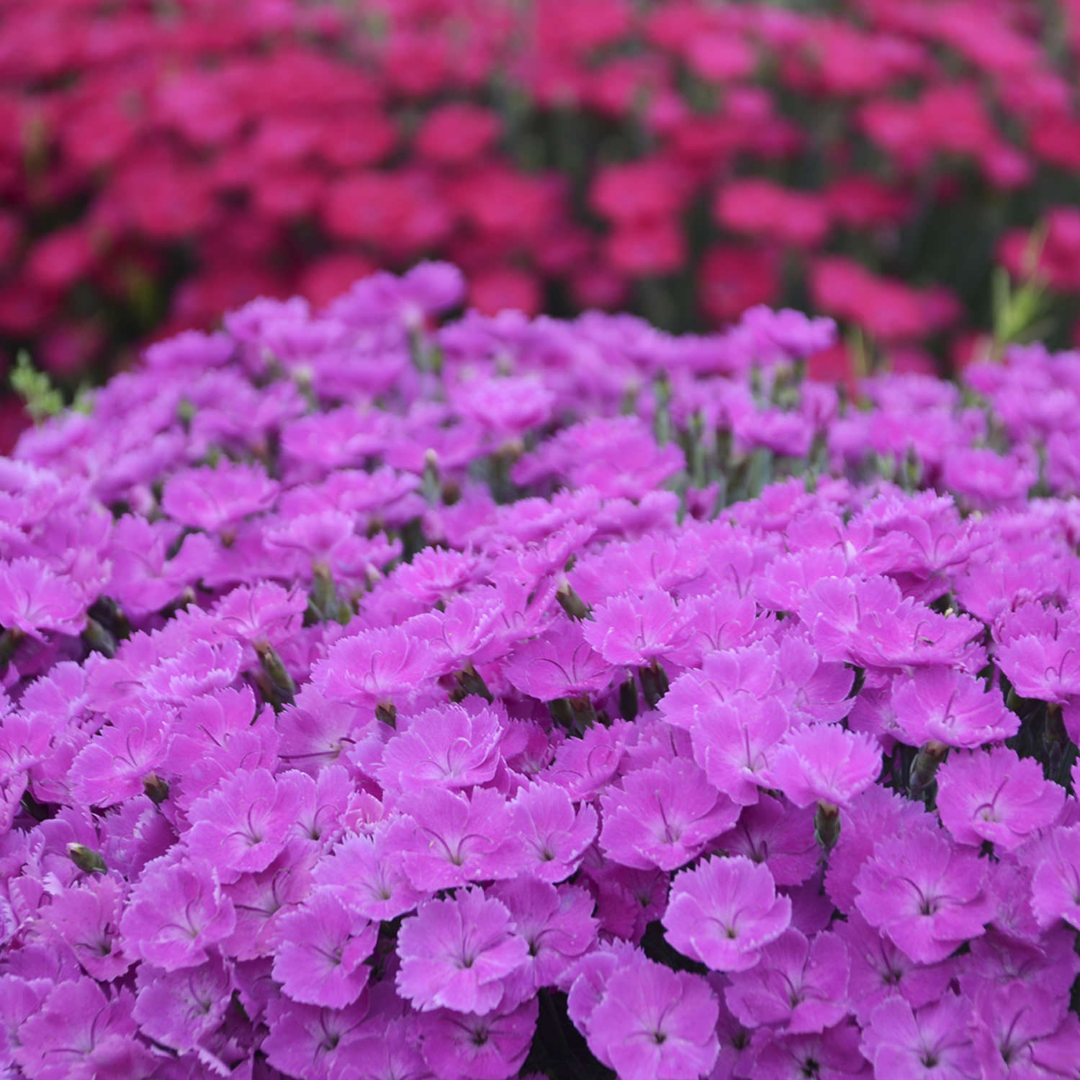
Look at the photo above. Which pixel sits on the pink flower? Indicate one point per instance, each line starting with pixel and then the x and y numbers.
pixel 455 953
pixel 552 833
pixel 951 707
pixel 34 598
pixel 471 1047
pixel 723 911
pixel 925 893
pixel 663 816
pixel 931 1043
pixel 653 1023
pixel 322 947
pixel 799 984
pixel 559 663
pixel 996 796
pixel 1055 888
pixel 636 629
pixel 218 498
pixel 824 763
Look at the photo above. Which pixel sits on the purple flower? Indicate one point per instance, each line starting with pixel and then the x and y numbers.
pixel 445 839
pixel 799 985
pixel 243 824
pixel 449 746
pixel 455 953
pixel 85 919
pixel 653 1023
pixel 552 833
pixel 80 1034
pixel 559 663
pixel 928 1044
pixel 723 911
pixel 367 878
pixel 33 598
pixel 824 763
pixel 996 796
pixel 950 707
pixel 322 946
pixel 470 1047
pixel 309 1040
pixel 175 913
pixel 777 834
pixel 663 816
pixel 217 499
pixel 636 629
pixel 1055 888
pixel 179 1009
pixel 925 893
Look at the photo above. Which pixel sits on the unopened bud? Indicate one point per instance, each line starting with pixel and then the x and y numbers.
pixel 157 790
pixel 86 859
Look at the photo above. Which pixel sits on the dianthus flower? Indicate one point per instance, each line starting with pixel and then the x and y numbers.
pixel 824 763
pixel 1055 888
pixel 551 831
pixel 219 498
pixel 996 796
pixel 925 893
pixel 653 1023
pixel 492 1046
pixel 930 1043
pixel 33 598
pixel 950 707
pixel 723 911
pixel 663 816
pixel 798 985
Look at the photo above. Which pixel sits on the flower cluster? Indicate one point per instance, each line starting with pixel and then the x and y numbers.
pixel 161 163
pixel 385 698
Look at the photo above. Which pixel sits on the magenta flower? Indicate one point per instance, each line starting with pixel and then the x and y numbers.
pixel 444 839
pixel 243 824
pixel 309 1040
pixel 493 1046
pixel 455 953
pixel 950 707
pixel 322 946
pixel 1042 666
pixel 375 667
pixel 556 925
pixel 663 816
pixel 799 985
pixel 653 1023
pixel 777 834
pixel 448 746
pixel 925 893
pixel 996 796
pixel 552 833
pixel 930 1043
pixel 367 878
pixel 832 1055
pixel 218 498
pixel 636 630
pixel 879 970
pixel 824 763
pixel 559 663
pixel 33 598
pixel 723 911
pixel 1055 888
pixel 176 911
pixel 179 1009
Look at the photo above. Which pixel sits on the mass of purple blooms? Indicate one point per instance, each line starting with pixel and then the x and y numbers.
pixel 387 698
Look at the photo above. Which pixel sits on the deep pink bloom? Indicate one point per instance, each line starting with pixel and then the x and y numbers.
pixel 951 707
pixel 1055 888
pixel 218 498
pixel 470 1047
pixel 996 796
pixel 322 946
pixel 824 763
pixel 930 1043
pixel 653 1023
pixel 34 598
pixel 663 816
pixel 798 985
pixel 551 831
pixel 723 911
pixel 924 892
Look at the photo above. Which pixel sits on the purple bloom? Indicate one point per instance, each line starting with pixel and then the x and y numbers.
pixel 928 1044
pixel 321 951
pixel 723 911
pixel 559 663
pixel 175 913
pixel 824 763
pixel 552 833
pixel 653 1023
pixel 367 878
pixel 777 834
pixel 663 816
pixel 217 499
pixel 470 1047
pixel 798 985
pixel 1055 888
pixel 925 893
pixel 445 839
pixel 950 707
pixel 243 824
pixel 33 598
pixel 179 1009
pixel 309 1040
pixel 455 953
pixel 85 918
pixel 449 746
pixel 996 796
pixel 636 630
